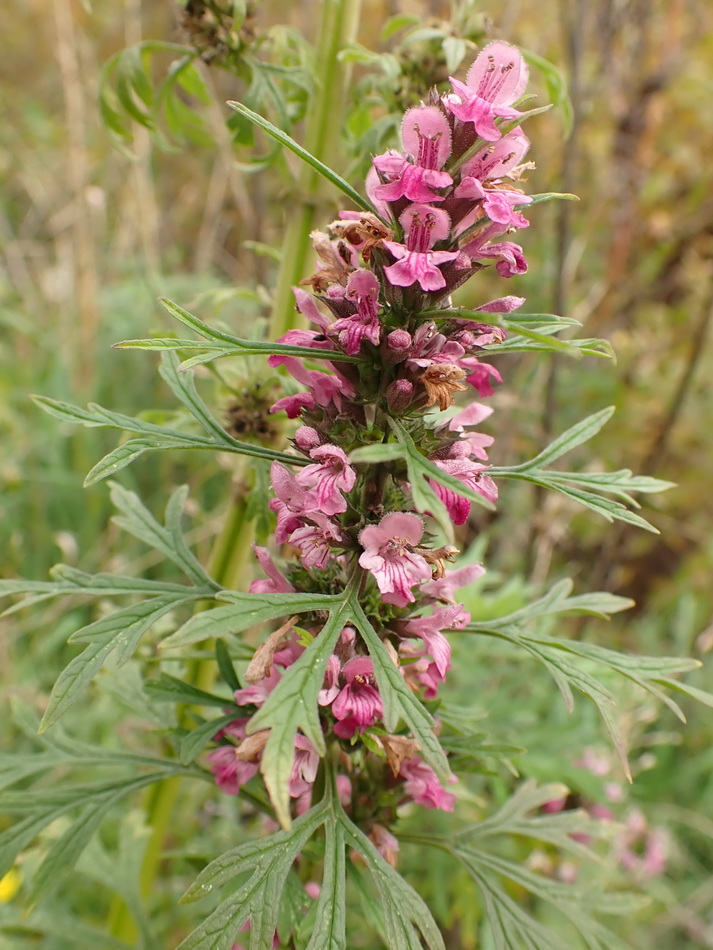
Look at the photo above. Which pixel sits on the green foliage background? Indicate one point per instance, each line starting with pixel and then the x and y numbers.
pixel 92 234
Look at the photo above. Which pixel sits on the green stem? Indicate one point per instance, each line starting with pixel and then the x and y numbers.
pixel 338 27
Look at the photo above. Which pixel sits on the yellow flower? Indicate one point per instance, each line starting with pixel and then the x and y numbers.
pixel 10 885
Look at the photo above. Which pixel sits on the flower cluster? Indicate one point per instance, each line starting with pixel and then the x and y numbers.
pixel 444 207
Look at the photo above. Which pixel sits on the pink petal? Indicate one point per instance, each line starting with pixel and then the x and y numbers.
pixel 499 74
pixel 426 134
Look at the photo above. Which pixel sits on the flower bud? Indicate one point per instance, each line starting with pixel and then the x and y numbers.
pixel 307 438
pixel 398 346
pixel 399 395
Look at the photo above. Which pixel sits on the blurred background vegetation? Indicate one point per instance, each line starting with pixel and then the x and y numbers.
pixel 163 193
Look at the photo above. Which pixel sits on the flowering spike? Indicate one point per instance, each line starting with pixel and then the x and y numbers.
pixel 343 519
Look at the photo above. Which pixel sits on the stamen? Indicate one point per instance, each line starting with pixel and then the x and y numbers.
pixel 490 85
pixel 427 148
pixel 419 235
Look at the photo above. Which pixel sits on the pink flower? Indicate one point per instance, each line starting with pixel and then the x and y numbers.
pixel 358 704
pixel 330 686
pixel 293 405
pixel 313 889
pixel 290 501
pixel 277 582
pixel 452 617
pixel 407 180
pixel 307 306
pixel 430 346
pixel 509 256
pixel 416 262
pixel 328 478
pixel 307 438
pixel 304 767
pixel 371 183
pixel 420 672
pixel 499 158
pixel 324 389
pixel 499 205
pixel 344 790
pixel 423 786
pixel 314 540
pixel 426 134
pixel 363 289
pixel 444 588
pixel 389 555
pixel 399 395
pixel 289 653
pixel 230 772
pixel 471 474
pixel 474 443
pixel 495 80
pixel 480 374
pixel 257 693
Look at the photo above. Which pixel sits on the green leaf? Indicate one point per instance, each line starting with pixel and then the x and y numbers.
pixel 46 805
pixel 556 87
pixel 244 611
pixel 69 580
pixel 56 924
pixel 510 921
pixel 513 320
pixel 135 518
pixel 184 389
pixel 527 341
pixel 374 454
pixel 549 196
pixel 98 416
pixel 169 689
pixel 121 630
pixel 395 23
pixel 577 486
pixel 619 483
pixel 64 853
pixel 225 665
pixel 558 600
pixel 251 854
pixel 563 659
pixel 576 435
pixel 405 913
pixel 270 860
pixel 302 153
pixel 126 453
pixel 243 347
pixel 455 50
pixel 221 350
pixel 610 510
pixel 329 932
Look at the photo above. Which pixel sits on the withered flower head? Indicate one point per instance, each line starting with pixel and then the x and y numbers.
pixel 441 380
pixel 366 233
pixel 335 268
